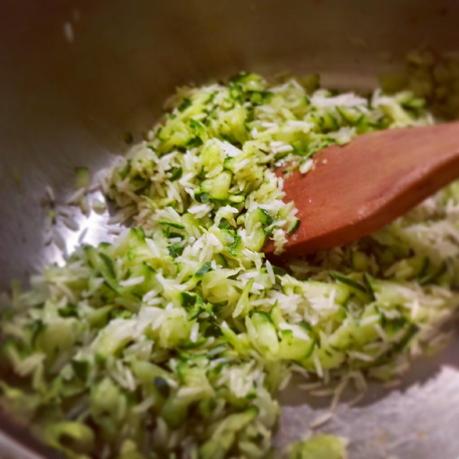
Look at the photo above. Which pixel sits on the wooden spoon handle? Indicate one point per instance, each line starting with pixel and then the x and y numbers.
pixel 356 189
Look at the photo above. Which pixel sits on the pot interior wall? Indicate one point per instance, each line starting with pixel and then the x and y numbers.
pixel 76 76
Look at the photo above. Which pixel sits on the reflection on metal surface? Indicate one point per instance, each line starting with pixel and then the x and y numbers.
pixel 416 420
pixel 90 228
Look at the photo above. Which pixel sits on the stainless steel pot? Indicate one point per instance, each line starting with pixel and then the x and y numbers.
pixel 76 75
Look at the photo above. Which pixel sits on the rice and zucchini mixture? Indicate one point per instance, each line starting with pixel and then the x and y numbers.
pixel 173 342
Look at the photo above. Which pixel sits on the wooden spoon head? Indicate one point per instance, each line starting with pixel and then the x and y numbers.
pixel 356 189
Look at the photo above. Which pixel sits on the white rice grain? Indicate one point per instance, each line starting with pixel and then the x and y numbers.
pixel 321 420
pixel 132 281
pixel 70 223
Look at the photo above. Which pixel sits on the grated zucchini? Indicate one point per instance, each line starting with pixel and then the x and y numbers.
pixel 173 341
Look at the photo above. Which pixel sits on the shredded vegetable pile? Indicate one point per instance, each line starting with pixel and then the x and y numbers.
pixel 175 340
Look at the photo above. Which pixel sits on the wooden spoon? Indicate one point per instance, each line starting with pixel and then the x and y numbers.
pixel 358 188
